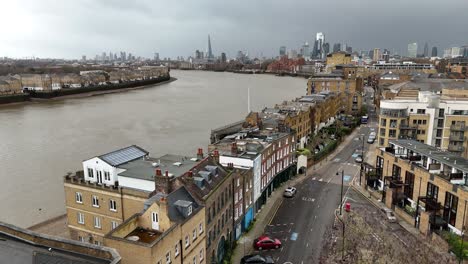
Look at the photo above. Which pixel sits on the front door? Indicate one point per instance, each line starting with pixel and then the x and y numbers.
pixel 155 221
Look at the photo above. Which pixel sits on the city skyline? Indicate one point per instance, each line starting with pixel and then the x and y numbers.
pixel 57 31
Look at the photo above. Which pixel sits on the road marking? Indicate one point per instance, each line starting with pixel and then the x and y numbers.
pixel 315 217
pixel 346 178
pixel 314 178
pixel 294 236
pixel 320 180
pixel 329 181
pixel 308 199
pixel 307 245
pixel 400 239
pixel 337 160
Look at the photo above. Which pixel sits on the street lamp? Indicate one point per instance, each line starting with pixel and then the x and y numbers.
pixel 341 200
pixel 362 162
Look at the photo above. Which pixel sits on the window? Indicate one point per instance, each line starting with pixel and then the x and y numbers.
pixel 96 242
pixel 424 122
pixel 194 234
pixel 176 249
pixel 81 218
pixel 441 112
pixel 432 191
pixel 81 239
pixel 107 175
pixel 200 228
pixel 396 172
pixel 78 197
pixel 238 182
pixel 168 257
pixel 440 123
pixel 240 194
pixel 187 241
pixel 409 185
pixel 95 201
pixel 113 205
pixel 97 222
pixel 419 122
pixel 393 123
pixel 90 173
pixel 202 256
pixel 195 259
pixel 415 121
pixel 439 133
pixel 189 210
pixel 235 197
pixel 114 224
pixel 392 133
pixel 382 132
pixel 450 208
pixel 383 122
pixel 421 111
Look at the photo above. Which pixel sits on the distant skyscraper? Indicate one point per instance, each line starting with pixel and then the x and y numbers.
pixel 434 52
pixel 210 52
pixel 336 47
pixel 83 58
pixel 376 54
pixel 282 51
pixel 326 48
pixel 292 54
pixel 156 56
pixel 305 50
pixel 223 57
pixel 349 49
pixel 103 56
pixel 413 50
pixel 426 50
pixel 320 38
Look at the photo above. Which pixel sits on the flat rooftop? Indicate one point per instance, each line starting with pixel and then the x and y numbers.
pixel 145 169
pixel 444 157
pixel 144 236
pixel 14 251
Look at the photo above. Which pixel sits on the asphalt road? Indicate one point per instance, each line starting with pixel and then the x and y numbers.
pixel 301 221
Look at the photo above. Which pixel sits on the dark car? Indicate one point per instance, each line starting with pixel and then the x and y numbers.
pixel 257 259
pixel 266 242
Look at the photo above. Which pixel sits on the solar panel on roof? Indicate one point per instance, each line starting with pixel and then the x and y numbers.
pixel 123 155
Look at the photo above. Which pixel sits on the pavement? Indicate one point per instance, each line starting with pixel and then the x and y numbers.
pixel 300 222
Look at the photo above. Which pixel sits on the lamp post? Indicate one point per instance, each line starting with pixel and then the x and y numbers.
pixel 362 162
pixel 341 200
pixel 462 255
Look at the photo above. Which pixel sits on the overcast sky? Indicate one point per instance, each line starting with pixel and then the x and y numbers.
pixel 71 28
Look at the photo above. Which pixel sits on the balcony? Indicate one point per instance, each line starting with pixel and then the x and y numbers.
pixel 458 127
pixel 455 137
pixel 455 148
pixel 408 127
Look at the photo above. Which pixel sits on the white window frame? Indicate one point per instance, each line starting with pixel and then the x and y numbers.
pixel 195 259
pixel 79 197
pixel 97 222
pixel 97 242
pixel 176 249
pixel 106 175
pixel 81 218
pixel 90 172
pixel 187 241
pixel 81 239
pixel 194 234
pixel 201 255
pixel 112 205
pixel 114 224
pixel 190 209
pixel 168 257
pixel 95 201
pixel 240 195
pixel 200 228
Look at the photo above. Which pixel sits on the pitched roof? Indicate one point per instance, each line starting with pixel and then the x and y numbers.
pixel 124 155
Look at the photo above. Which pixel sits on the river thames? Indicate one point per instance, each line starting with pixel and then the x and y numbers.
pixel 42 141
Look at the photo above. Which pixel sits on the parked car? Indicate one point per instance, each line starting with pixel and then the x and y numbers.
pixel 390 215
pixel 289 192
pixel 257 259
pixel 266 242
pixel 358 159
pixel 371 140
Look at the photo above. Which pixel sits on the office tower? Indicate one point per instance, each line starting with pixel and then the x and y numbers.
pixel 412 50
pixel 336 47
pixel 376 54
pixel 326 48
pixel 320 38
pixel 305 50
pixel 282 51
pixel 83 58
pixel 210 52
pixel 223 57
pixel 103 56
pixel 386 55
pixel 156 56
pixel 129 56
pixel 292 54
pixel 426 50
pixel 434 52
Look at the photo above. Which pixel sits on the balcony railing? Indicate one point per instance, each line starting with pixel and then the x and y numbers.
pixel 458 127
pixel 457 138
pixel 455 148
pixel 410 127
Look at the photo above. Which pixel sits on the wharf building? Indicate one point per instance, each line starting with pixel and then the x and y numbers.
pixel 344 82
pixel 128 200
pixel 426 187
pixel 434 112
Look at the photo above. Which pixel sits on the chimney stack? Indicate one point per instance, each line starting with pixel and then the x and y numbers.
pixel 234 148
pixel 200 154
pixel 190 174
pixel 162 182
pixel 216 155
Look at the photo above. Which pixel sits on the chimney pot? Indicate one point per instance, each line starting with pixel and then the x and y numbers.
pixel 167 173
pixel 190 174
pixel 158 172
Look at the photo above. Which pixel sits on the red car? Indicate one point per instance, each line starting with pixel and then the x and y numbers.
pixel 266 242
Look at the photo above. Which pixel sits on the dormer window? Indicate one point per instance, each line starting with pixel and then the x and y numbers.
pixel 189 212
